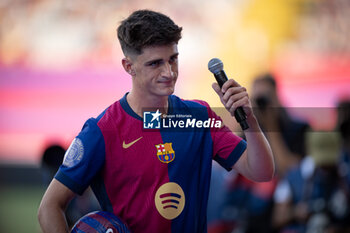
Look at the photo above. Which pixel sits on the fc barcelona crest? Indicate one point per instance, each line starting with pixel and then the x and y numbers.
pixel 165 152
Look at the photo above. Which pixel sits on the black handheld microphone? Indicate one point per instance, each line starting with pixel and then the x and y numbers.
pixel 216 66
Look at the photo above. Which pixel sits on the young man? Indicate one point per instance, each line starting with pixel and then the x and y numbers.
pixel 154 180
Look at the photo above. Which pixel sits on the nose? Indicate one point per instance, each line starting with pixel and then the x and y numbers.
pixel 167 70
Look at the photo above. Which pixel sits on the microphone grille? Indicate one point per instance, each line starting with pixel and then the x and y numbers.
pixel 215 65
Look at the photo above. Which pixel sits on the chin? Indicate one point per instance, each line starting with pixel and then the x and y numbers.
pixel 167 92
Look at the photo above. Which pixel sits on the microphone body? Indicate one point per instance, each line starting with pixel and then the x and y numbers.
pixel 216 67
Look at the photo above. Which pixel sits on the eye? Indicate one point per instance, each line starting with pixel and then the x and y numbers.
pixel 155 64
pixel 173 60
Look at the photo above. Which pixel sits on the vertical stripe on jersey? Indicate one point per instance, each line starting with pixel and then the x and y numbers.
pixel 130 173
pixel 193 150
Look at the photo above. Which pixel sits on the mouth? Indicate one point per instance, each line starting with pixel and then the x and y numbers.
pixel 167 82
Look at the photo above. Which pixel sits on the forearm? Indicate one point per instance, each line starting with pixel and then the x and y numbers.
pixel 285 159
pixel 51 213
pixel 259 161
pixel 52 219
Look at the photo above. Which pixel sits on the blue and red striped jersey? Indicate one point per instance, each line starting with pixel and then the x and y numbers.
pixel 154 180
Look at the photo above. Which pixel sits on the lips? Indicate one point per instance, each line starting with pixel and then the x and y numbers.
pixel 166 82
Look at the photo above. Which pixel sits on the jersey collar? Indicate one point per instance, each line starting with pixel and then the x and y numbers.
pixel 125 105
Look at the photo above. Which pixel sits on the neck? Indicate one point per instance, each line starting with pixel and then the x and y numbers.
pixel 139 102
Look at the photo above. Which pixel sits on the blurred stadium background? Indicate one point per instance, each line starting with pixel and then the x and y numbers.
pixel 60 65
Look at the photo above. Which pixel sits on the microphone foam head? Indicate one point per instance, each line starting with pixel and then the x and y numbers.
pixel 215 65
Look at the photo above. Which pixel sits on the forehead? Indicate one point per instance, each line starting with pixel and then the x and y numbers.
pixel 158 52
pixel 262 87
pixel 263 84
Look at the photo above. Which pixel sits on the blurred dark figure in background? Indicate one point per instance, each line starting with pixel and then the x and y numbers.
pixel 285 134
pixel 248 206
pixel 343 126
pixel 50 162
pixel 312 197
pixel 239 205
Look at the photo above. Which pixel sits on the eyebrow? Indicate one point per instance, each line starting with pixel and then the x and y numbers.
pixel 159 60
pixel 152 61
pixel 174 55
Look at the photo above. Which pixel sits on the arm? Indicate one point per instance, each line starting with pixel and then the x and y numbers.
pixel 284 157
pixel 256 163
pixel 51 213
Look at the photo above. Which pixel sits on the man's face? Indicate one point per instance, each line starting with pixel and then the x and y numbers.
pixel 156 70
pixel 263 90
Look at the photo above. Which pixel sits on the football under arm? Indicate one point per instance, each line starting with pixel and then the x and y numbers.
pixel 51 212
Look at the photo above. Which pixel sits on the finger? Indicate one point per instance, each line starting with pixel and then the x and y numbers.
pixel 235 98
pixel 229 83
pixel 244 102
pixel 217 89
pixel 233 91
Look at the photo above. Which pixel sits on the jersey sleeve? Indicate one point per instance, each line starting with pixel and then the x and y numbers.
pixel 83 159
pixel 227 146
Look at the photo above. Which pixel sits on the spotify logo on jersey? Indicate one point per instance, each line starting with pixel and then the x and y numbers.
pixel 170 200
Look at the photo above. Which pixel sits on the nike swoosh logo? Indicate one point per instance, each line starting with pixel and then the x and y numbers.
pixel 127 145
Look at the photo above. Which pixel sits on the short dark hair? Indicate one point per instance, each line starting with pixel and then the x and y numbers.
pixel 145 28
pixel 267 78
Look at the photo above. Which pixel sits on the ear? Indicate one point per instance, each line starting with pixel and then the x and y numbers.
pixel 127 64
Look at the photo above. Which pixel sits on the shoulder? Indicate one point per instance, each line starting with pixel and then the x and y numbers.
pixel 293 123
pixel 111 109
pixel 191 103
pixel 110 115
pixel 303 171
pixel 196 108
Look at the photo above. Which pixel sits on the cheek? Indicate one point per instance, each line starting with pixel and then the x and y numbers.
pixel 175 68
pixel 147 74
